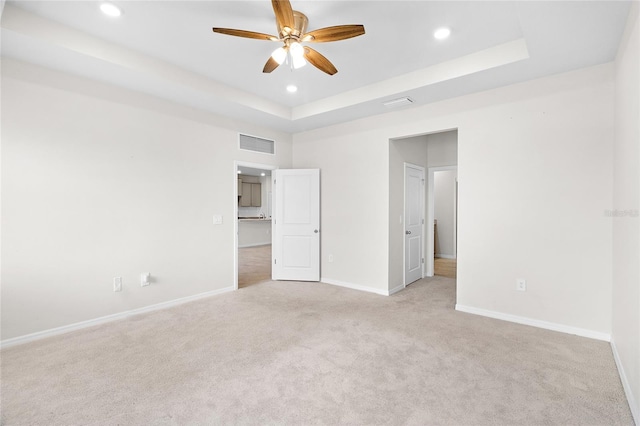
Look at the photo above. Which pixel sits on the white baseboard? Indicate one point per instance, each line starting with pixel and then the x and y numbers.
pixel 535 323
pixel 354 286
pixel 109 318
pixel 396 289
pixel 631 399
pixel 445 256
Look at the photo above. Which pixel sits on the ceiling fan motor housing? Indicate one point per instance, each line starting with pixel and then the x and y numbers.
pixel 300 22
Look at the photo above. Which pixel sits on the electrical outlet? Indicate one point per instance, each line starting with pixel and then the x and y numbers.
pixel 521 284
pixel 330 258
pixel 117 284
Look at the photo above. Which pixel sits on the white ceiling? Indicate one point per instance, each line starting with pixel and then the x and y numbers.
pixel 167 49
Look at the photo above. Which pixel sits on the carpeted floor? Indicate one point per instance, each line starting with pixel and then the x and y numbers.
pixel 310 353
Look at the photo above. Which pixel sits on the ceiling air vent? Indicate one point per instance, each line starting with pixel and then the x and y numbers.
pixel 256 144
pixel 398 102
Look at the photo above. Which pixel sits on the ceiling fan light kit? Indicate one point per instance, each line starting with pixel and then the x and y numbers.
pixel 279 55
pixel 292 31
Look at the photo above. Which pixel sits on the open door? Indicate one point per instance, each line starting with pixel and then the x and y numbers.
pixel 296 225
pixel 413 223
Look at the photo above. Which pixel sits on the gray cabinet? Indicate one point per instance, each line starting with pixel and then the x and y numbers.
pixel 256 195
pixel 245 199
pixel 251 194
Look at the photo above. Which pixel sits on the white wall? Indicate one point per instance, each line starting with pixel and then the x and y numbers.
pixel 535 175
pixel 444 212
pixel 353 192
pixel 99 182
pixel 442 148
pixel 626 228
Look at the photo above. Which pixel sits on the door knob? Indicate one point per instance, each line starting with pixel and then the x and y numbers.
pixel 315 231
pixel 407 232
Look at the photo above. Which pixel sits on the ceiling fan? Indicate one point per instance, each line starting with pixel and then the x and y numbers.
pixel 292 27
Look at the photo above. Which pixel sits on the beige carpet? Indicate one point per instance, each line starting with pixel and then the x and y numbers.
pixel 310 353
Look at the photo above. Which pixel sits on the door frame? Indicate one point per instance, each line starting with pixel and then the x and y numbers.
pixel 236 164
pixel 404 222
pixel 430 253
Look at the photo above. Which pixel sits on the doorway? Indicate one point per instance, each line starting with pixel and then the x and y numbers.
pixel 252 223
pixel 429 151
pixel 443 223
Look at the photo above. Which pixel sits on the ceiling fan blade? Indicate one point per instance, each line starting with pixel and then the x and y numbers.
pixel 284 15
pixel 340 32
pixel 270 65
pixel 245 34
pixel 319 61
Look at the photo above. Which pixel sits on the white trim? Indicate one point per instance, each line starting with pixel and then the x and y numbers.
pixel 396 289
pixel 109 318
pixel 535 323
pixel 633 404
pixel 354 286
pixel 445 256
pixel 455 216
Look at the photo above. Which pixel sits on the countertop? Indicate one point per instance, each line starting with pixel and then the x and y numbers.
pixel 253 219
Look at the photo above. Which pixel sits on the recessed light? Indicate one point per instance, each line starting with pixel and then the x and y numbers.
pixel 263 174
pixel 110 9
pixel 292 89
pixel 442 33
pixel 239 171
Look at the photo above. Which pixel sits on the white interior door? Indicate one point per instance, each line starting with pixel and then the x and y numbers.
pixel 296 225
pixel 413 223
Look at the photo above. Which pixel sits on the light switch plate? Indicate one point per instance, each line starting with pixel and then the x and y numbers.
pixel 217 219
pixel 145 279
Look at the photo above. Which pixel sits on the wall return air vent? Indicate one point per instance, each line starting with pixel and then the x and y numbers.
pixel 398 102
pixel 256 144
